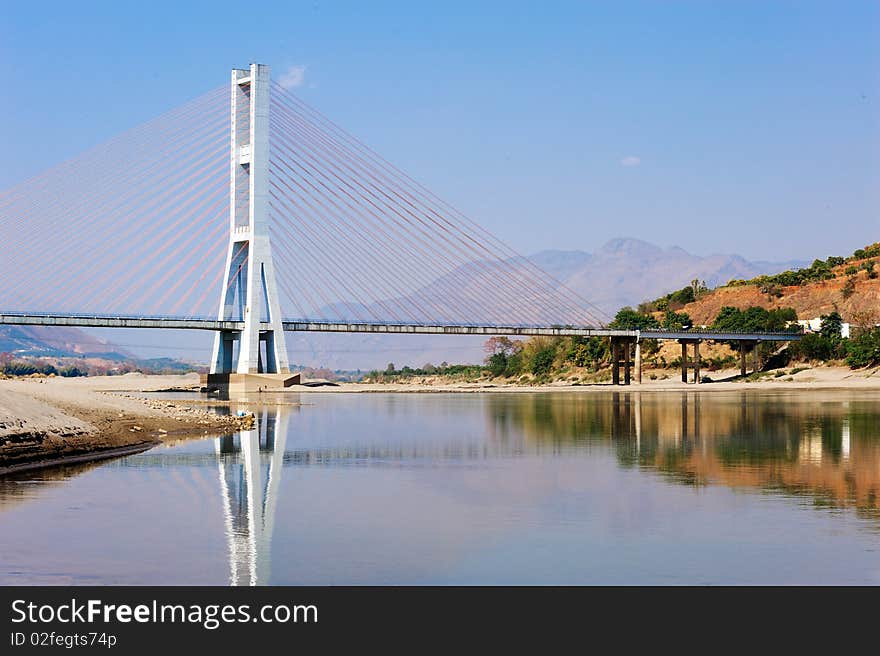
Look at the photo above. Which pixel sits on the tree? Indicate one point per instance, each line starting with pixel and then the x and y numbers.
pixel 501 355
pixel 629 319
pixel 542 361
pixel 831 326
pixel 497 364
pixel 864 349
pixel 683 296
pixel 753 319
pixel 502 345
pixel 390 368
pixel 588 351
pixel 676 320
pixel 811 346
pixel 699 287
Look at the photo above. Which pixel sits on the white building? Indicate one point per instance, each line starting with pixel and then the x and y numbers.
pixel 815 325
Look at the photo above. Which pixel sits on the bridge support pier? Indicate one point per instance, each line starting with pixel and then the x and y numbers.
pixel 638 362
pixel 249 288
pixel 692 364
pixel 224 348
pixel 743 359
pixel 621 356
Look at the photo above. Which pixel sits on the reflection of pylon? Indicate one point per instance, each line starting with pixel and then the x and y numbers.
pixel 250 495
pixel 249 282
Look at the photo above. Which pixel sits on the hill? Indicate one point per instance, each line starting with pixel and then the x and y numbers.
pixel 71 351
pixel 57 342
pixel 849 286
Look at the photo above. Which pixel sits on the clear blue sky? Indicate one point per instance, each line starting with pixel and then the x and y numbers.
pixel 747 127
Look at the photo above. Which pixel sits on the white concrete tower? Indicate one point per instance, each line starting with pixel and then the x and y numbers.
pixel 249 283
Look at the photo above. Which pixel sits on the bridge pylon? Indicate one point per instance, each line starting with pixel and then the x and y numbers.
pixel 249 292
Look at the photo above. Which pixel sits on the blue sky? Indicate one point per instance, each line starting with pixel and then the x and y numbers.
pixel 746 127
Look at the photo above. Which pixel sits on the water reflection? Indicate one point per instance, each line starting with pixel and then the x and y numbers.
pixel 250 466
pixel 800 443
pixel 629 487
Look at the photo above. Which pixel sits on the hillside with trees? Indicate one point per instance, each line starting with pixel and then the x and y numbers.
pixel 849 286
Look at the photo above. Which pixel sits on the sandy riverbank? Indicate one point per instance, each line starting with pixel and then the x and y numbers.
pixel 666 381
pixel 49 420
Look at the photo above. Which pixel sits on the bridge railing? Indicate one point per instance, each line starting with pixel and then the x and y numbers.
pixel 340 325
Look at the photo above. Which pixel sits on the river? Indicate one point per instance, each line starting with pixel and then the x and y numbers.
pixel 752 487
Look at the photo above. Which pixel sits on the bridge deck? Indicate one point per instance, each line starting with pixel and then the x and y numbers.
pixel 199 323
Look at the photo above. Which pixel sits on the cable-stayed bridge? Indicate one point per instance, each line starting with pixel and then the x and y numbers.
pixel 249 194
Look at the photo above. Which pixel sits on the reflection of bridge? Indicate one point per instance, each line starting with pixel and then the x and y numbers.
pixel 805 444
pixel 134 233
pixel 250 467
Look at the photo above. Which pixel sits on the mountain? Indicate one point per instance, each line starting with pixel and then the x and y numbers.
pixel 50 341
pixel 629 271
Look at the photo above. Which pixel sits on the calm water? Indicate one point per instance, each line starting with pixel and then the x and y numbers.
pixel 751 487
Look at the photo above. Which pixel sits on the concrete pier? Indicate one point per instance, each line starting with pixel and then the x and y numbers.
pixel 743 359
pixel 622 357
pixel 638 362
pixel 693 363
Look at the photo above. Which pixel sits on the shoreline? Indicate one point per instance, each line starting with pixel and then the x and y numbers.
pixel 46 422
pixel 91 456
pixel 818 378
pixel 55 421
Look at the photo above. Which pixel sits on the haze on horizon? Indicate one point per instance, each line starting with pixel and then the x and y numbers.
pixel 717 127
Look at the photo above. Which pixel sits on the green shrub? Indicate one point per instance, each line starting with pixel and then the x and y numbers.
pixel 497 364
pixel 676 320
pixel 629 319
pixel 815 346
pixel 588 351
pixel 863 350
pixel 542 361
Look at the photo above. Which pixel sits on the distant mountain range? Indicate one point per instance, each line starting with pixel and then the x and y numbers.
pixel 622 272
pixel 57 342
pixel 629 271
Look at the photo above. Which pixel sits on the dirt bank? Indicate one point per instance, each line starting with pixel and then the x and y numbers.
pixel 46 420
pixel 665 381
